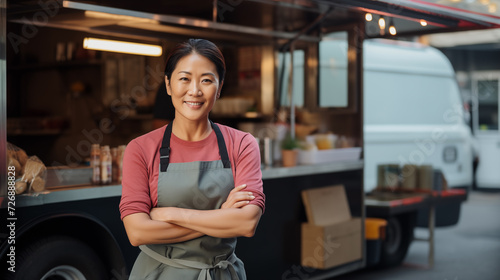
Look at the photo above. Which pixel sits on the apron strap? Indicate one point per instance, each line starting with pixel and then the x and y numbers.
pixel 205 268
pixel 222 146
pixel 165 147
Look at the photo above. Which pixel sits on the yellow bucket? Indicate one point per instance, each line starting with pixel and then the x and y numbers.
pixel 375 228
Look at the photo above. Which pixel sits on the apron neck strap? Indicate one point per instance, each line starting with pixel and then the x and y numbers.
pixel 222 146
pixel 165 147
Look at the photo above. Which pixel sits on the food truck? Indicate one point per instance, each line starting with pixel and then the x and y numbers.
pixel 60 98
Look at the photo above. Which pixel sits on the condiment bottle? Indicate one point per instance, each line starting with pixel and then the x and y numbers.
pixel 106 174
pixel 95 163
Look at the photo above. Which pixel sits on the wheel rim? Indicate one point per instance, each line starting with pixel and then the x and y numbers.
pixel 393 237
pixel 64 272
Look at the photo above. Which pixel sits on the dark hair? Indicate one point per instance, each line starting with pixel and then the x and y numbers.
pixel 200 46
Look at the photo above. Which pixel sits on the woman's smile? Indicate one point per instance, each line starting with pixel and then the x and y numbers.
pixel 194 105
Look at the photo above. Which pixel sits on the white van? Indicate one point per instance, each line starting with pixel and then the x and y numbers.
pixel 413 112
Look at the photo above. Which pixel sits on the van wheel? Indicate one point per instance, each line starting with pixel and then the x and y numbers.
pixel 59 258
pixel 399 235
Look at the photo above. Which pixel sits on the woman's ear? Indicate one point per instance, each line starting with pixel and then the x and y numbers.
pixel 220 89
pixel 167 85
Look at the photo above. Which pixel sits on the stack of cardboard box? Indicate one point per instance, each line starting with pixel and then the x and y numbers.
pixel 410 177
pixel 331 237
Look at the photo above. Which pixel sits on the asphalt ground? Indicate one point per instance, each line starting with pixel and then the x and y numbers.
pixel 468 250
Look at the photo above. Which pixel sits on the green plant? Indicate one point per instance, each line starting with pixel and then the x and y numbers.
pixel 290 143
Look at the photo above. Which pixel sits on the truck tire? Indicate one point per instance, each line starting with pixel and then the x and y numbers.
pixel 59 258
pixel 399 235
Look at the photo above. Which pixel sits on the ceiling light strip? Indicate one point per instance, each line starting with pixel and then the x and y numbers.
pixel 121 47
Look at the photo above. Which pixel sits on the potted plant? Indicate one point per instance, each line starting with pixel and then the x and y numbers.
pixel 289 151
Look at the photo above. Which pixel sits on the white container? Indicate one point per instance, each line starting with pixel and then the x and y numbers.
pixel 326 156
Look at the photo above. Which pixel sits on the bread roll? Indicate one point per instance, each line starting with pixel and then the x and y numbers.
pixel 17 166
pixel 33 168
pixel 22 157
pixel 21 187
pixel 11 153
pixel 38 184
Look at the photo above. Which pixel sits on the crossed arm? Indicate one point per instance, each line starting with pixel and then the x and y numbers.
pixel 171 224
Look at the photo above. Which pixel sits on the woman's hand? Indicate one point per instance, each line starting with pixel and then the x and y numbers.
pixel 237 198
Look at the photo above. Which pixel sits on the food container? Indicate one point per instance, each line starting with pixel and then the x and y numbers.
pixel 326 156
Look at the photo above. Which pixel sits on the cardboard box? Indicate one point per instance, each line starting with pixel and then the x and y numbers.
pixel 388 175
pixel 425 177
pixel 409 175
pixel 331 245
pixel 331 237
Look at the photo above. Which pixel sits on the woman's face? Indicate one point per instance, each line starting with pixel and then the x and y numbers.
pixel 194 87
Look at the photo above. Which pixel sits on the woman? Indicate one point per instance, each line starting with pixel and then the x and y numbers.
pixel 179 201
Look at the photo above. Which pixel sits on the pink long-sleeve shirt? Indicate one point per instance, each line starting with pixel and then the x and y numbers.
pixel 141 165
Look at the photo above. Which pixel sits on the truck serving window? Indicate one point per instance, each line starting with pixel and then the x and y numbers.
pixel 487 93
pixel 333 89
pixel 298 78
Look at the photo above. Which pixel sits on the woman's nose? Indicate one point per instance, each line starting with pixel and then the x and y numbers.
pixel 194 89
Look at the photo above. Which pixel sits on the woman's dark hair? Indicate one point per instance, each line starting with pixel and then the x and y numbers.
pixel 200 46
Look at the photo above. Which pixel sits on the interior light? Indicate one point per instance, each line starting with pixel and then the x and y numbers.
pixel 369 17
pixel 484 2
pixel 423 22
pixel 101 15
pixel 392 28
pixel 381 22
pixel 121 47
pixel 492 8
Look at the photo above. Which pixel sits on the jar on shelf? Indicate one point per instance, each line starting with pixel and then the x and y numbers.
pixel 106 165
pixel 95 163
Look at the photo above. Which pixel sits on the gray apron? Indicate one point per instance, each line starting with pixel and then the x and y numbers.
pixel 201 185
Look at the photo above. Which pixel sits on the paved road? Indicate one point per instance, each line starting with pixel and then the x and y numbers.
pixel 469 250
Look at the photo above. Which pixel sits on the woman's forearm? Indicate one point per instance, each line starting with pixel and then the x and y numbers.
pixel 141 229
pixel 223 223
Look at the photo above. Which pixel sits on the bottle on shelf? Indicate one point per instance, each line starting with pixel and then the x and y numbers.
pixel 106 165
pixel 95 163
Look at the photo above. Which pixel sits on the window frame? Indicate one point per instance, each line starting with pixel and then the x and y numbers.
pixel 482 76
pixel 355 36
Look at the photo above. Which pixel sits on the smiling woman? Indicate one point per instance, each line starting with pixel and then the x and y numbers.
pixel 194 86
pixel 194 75
pixel 184 203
